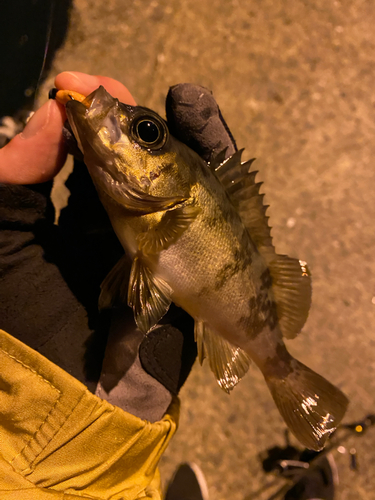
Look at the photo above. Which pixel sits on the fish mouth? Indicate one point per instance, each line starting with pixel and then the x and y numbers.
pixel 96 125
pixel 98 111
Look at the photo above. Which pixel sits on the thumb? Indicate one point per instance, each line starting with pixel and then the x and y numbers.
pixel 38 153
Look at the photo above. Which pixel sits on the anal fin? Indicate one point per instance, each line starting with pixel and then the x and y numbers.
pixel 291 283
pixel 227 362
pixel 148 295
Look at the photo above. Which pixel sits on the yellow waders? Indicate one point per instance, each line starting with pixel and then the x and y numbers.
pixel 60 442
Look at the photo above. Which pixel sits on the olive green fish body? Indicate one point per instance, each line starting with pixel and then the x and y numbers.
pixel 214 269
pixel 179 221
pixel 216 272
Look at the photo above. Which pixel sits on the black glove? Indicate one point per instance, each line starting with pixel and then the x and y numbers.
pixel 50 279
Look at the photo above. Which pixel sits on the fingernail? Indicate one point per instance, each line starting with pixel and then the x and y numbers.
pixel 38 121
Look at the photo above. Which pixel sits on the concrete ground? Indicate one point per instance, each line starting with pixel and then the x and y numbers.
pixel 295 83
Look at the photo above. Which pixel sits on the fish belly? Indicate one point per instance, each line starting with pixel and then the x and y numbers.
pixel 228 296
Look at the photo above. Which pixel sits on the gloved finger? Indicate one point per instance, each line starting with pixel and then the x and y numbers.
pixel 194 118
pixel 140 373
pixel 123 381
pixel 169 354
pixel 38 153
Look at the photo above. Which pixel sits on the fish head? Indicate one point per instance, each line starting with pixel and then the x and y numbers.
pixel 129 152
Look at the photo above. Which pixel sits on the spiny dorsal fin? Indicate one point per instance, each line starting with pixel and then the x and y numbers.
pixel 291 283
pixel 217 159
pixel 148 295
pixel 172 225
pixel 239 182
pixel 228 363
pixel 231 169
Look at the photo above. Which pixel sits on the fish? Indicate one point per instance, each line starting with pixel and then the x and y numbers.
pixel 197 235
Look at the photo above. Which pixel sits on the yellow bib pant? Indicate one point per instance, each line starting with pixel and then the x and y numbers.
pixel 60 442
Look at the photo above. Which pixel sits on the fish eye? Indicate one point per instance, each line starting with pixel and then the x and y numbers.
pixel 149 132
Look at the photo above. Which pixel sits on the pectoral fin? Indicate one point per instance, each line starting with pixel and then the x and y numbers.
pixel 228 363
pixel 291 283
pixel 173 224
pixel 115 286
pixel 141 203
pixel 149 296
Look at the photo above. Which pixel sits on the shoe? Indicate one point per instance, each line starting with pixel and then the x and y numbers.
pixel 319 482
pixel 187 483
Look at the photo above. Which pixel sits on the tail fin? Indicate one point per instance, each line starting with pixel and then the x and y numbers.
pixel 311 406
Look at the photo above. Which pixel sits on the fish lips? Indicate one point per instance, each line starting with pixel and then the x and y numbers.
pixel 86 118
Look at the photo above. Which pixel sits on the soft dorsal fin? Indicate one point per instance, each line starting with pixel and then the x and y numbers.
pixel 291 283
pixel 239 182
pixel 228 363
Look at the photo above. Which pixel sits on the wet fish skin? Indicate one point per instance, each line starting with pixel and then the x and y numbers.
pixel 188 243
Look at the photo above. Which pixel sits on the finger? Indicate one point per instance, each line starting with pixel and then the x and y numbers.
pixel 195 118
pixel 85 84
pixel 38 153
